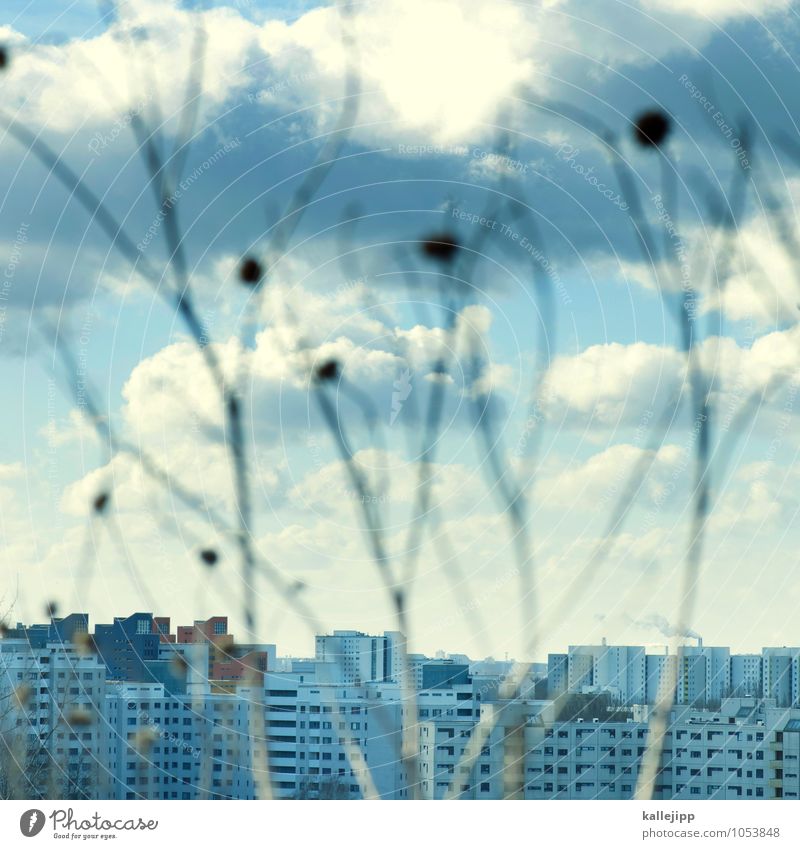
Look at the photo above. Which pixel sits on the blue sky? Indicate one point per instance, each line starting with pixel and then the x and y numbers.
pixel 461 82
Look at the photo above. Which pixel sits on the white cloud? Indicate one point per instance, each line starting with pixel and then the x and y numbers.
pixel 96 80
pixel 11 471
pixel 611 384
pixel 426 65
pixel 718 10
pixel 601 479
pixel 763 284
pixel 392 479
pixel 606 384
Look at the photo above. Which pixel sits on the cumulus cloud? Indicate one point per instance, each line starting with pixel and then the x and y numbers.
pixel 305 331
pixel 749 274
pixel 432 65
pixel 426 65
pixel 616 384
pixel 611 383
pixel 11 471
pixel 601 479
pixel 718 10
pixel 100 78
pixel 393 479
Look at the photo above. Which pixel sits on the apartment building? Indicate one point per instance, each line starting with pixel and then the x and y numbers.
pixel 51 713
pixel 746 674
pixel 618 670
pixel 332 727
pixel 703 674
pixel 361 658
pixel 746 750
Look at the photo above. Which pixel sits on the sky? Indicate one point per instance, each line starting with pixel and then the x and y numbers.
pixel 485 121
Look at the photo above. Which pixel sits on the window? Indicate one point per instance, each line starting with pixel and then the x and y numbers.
pixel 219 627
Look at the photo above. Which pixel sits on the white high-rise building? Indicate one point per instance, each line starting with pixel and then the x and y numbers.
pixel 746 675
pixel 704 674
pixel 557 675
pixel 618 670
pixel 51 720
pixel 746 750
pixel 660 673
pixel 781 675
pixel 362 658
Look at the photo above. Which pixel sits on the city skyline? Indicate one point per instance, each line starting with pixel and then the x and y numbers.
pixel 653 646
pixel 137 711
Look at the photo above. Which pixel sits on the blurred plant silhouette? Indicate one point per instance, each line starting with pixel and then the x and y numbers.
pixel 453 261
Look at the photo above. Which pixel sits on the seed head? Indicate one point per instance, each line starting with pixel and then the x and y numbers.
pixel 209 556
pixel 441 247
pixel 250 271
pixel 651 128
pixel 329 370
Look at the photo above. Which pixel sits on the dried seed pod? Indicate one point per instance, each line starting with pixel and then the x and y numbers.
pixel 84 643
pixel 144 739
pixel 651 128
pixel 250 271
pixel 328 371
pixel 79 717
pixel 226 643
pixel 22 695
pixel 441 247
pixel 209 556
pixel 179 665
